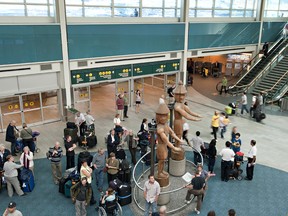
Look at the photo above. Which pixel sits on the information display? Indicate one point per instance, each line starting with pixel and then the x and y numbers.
pixel 123 71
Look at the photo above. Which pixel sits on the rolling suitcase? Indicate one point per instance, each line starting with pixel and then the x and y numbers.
pixel 85 155
pixel 124 194
pixel 91 141
pixel 62 185
pixel 71 125
pixel 127 176
pixel 67 188
pixel 121 175
pixel 27 180
pixel 71 132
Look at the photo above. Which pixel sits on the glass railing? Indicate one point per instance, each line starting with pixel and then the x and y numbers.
pixel 278 90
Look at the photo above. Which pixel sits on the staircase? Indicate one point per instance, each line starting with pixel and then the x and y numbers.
pixel 276 74
pixel 255 70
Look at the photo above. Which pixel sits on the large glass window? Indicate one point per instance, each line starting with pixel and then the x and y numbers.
pixel 222 4
pixel 276 8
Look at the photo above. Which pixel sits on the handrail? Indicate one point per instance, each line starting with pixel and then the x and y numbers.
pixel 268 90
pixel 263 71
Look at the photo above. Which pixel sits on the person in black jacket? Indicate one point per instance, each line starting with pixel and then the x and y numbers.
pixel 112 142
pixel 212 154
pixel 3 154
pixel 70 153
pixel 265 49
pixel 10 136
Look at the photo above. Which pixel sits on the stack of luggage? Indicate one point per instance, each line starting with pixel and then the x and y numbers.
pixel 123 191
pixel 71 130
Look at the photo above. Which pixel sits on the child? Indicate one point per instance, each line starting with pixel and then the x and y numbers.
pixel 236 143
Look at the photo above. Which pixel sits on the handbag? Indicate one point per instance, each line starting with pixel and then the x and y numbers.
pixel 105 169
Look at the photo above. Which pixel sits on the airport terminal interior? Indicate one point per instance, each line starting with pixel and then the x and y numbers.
pixel 60 57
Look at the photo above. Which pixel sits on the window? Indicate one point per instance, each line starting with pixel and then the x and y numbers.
pixel 276 8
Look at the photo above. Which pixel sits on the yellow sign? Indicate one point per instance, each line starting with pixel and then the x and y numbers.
pixel 31 103
pixel 10 107
pixel 26 104
pixel 16 106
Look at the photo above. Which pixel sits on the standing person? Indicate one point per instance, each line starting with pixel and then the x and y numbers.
pixel 112 142
pixel 223 123
pixel 70 153
pixel 144 125
pixel 162 99
pixel 10 174
pixel 11 210
pixel 233 133
pixel 197 143
pixel 211 213
pixel 99 163
pixel 80 121
pixel 265 49
pixel 3 154
pixel 138 100
pixel 227 155
pixel 236 143
pixel 196 187
pixel 251 161
pixel 126 104
pixel 151 194
pixel 212 155
pixel 10 136
pixel 54 155
pixel 26 159
pixel 81 194
pixel 117 123
pixel 244 103
pixel 224 85
pixel 120 106
pixel 86 171
pixel 252 108
pixel 112 165
pixel 261 102
pixel 231 212
pixel 132 144
pixel 90 121
pixel 171 93
pixel 27 138
pixel 215 124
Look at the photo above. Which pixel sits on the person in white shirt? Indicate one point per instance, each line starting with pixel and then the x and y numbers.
pixel 197 143
pixel 251 161
pixel 227 160
pixel 90 121
pixel 244 103
pixel 26 159
pixel 80 121
pixel 151 194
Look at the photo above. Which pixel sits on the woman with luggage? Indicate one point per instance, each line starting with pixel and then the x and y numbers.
pixel 26 159
pixel 112 165
pixel 86 171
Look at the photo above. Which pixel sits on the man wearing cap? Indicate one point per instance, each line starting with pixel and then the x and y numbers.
pixel 10 175
pixel 11 210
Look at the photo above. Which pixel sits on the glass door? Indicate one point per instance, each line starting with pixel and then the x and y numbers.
pixel 82 98
pixel 31 108
pixel 50 105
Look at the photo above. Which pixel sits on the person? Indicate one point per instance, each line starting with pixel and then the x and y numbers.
pixel 197 143
pixel 252 108
pixel 144 126
pixel 10 174
pixel 70 153
pixel 236 143
pixel 231 212
pixel 224 85
pixel 244 103
pixel 265 49
pixel 27 137
pixel 11 132
pixel 205 174
pixel 112 142
pixel 163 130
pixel 3 154
pixel 112 165
pixel 211 213
pixel 251 161
pixel 233 133
pixel 185 133
pixel 171 93
pixel 261 101
pixel 26 159
pixel 80 121
pixel 227 155
pixel 99 163
pixel 11 210
pixel 196 187
pixel 86 171
pixel 212 155
pixel 126 104
pixel 162 99
pixel 162 211
pixel 138 101
pixel 215 124
pixel 81 194
pixel 90 121
pixel 132 145
pixel 109 196
pixel 151 194
pixel 120 106
pixel 54 155
pixel 223 123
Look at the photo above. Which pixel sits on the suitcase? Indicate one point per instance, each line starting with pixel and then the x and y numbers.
pixel 259 116
pixel 233 106
pixel 71 125
pixel 71 132
pixel 115 184
pixel 121 175
pixel 27 180
pixel 67 188
pixel 120 154
pixel 124 194
pixel 127 176
pixel 62 182
pixel 85 155
pixel 91 141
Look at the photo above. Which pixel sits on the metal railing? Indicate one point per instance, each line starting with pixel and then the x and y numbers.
pixel 138 188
